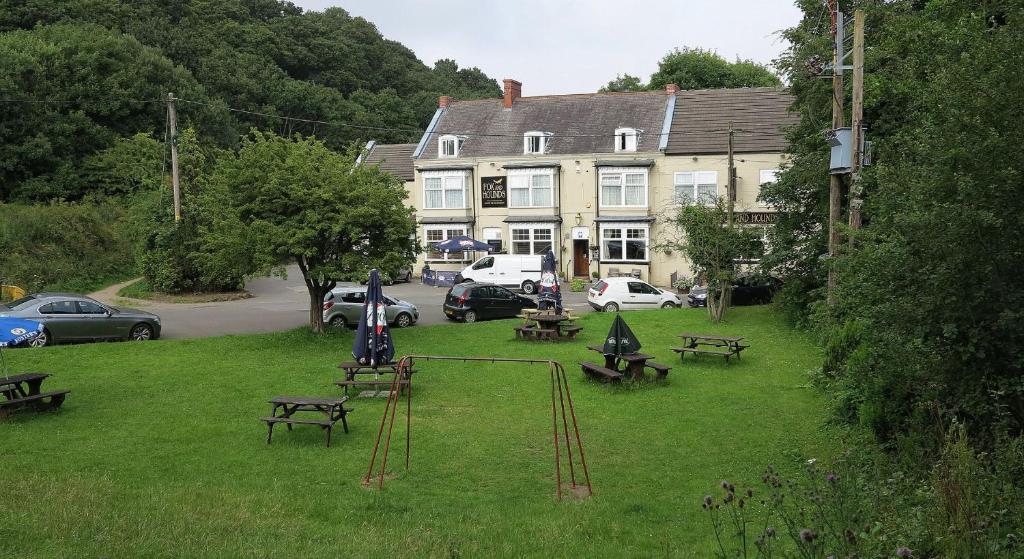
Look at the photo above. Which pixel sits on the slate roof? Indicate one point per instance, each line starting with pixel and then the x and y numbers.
pixel 579 124
pixel 393 158
pixel 758 114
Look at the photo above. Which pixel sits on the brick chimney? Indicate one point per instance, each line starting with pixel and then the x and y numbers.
pixel 513 91
pixel 443 101
pixel 671 88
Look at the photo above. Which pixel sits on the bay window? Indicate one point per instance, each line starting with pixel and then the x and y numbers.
pixel 624 188
pixel 444 190
pixel 434 234
pixel 625 243
pixel 530 188
pixel 532 239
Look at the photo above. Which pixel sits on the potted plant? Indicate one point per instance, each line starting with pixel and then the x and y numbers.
pixel 683 285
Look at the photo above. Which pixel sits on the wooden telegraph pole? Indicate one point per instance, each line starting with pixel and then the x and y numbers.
pixel 835 191
pixel 732 177
pixel 857 117
pixel 172 119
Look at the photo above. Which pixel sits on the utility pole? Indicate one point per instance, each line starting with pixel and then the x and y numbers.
pixel 857 117
pixel 172 119
pixel 835 192
pixel 732 177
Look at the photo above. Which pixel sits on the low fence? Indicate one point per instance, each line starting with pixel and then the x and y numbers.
pixel 438 278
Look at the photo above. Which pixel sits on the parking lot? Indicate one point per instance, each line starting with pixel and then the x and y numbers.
pixel 281 304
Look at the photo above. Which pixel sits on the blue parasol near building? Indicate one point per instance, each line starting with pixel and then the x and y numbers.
pixel 549 296
pixel 14 331
pixel 462 243
pixel 373 345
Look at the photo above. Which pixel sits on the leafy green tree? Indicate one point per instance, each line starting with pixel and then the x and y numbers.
pixel 704 69
pixel 623 82
pixel 303 203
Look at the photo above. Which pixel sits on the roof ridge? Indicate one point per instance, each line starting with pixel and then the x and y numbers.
pixel 563 95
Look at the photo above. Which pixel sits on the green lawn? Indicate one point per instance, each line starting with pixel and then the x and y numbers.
pixel 158 450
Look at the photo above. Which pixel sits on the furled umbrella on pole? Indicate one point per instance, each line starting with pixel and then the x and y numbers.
pixel 14 331
pixel 620 340
pixel 373 345
pixel 549 296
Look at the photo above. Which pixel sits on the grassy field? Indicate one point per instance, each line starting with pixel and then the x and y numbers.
pixel 158 451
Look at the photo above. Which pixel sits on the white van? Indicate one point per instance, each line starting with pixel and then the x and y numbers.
pixel 508 270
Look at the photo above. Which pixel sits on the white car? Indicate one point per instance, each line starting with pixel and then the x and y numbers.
pixel 627 294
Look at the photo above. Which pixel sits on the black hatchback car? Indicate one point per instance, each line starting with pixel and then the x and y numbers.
pixel 745 291
pixel 471 301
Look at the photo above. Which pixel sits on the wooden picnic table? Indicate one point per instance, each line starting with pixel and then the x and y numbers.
pixel 329 410
pixel 352 369
pixel 635 363
pixel 699 344
pixel 25 389
pixel 547 326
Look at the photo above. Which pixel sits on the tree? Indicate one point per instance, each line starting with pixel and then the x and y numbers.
pixel 712 245
pixel 623 82
pixel 301 202
pixel 704 69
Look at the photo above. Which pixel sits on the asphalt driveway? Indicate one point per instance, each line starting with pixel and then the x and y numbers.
pixel 280 304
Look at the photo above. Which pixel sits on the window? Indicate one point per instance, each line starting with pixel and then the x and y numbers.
pixel 532 239
pixel 356 297
pixel 624 243
pixel 642 288
pixel 88 307
pixel 531 188
pixel 449 146
pixel 492 236
pixel 436 234
pixel 484 263
pixel 700 186
pixel 625 139
pixel 444 190
pixel 536 142
pixel 59 307
pixel 623 188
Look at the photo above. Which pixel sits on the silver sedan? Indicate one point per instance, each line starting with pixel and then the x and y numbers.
pixel 344 305
pixel 67 317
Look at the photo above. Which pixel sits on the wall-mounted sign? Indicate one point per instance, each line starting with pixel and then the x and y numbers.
pixel 581 233
pixel 493 192
pixel 756 218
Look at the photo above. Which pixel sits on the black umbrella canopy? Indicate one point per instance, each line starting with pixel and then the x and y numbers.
pixel 620 340
pixel 373 345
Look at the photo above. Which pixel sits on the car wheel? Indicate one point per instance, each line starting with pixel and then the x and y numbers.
pixel 668 305
pixel 469 317
pixel 529 287
pixel 611 307
pixel 403 320
pixel 42 340
pixel 337 321
pixel 141 332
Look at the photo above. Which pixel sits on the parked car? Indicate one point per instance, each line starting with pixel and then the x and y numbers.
pixel 472 301
pixel 745 291
pixel 508 270
pixel 627 294
pixel 389 278
pixel 67 317
pixel 343 306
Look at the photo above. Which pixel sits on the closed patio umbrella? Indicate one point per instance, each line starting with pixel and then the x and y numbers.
pixel 620 340
pixel 373 345
pixel 549 296
pixel 14 331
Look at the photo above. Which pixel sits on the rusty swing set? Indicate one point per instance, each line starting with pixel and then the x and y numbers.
pixel 560 400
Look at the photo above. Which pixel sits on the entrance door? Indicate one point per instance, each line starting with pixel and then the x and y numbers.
pixel 581 257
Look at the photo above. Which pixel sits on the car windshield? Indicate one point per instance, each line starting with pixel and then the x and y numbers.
pixel 22 304
pixel 600 285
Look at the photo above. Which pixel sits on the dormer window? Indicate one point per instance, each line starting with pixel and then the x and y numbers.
pixel 536 142
pixel 625 139
pixel 449 146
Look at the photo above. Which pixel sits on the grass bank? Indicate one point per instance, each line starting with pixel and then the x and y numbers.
pixel 142 290
pixel 159 452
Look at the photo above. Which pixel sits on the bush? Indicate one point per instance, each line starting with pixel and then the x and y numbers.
pixel 64 247
pixel 577 285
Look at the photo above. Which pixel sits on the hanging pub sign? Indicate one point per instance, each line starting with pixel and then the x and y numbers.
pixel 756 218
pixel 494 192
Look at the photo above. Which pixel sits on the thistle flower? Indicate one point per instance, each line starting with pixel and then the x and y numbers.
pixel 770 532
pixel 807 535
pixel 707 501
pixel 831 477
pixel 903 552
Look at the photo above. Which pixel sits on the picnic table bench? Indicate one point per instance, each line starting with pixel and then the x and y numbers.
pixel 25 390
pixel 635 363
pixel 330 411
pixel 702 344
pixel 390 369
pixel 601 373
pixel 547 326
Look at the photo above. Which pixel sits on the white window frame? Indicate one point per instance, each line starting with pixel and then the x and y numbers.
pixel 533 240
pixel 696 180
pixel 543 140
pixel 456 145
pixel 517 175
pixel 623 230
pixel 446 233
pixel 621 172
pixel 447 181
pixel 626 139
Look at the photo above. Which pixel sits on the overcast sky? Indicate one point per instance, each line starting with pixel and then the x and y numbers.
pixel 573 46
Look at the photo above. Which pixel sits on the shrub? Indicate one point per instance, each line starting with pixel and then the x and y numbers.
pixel 577 285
